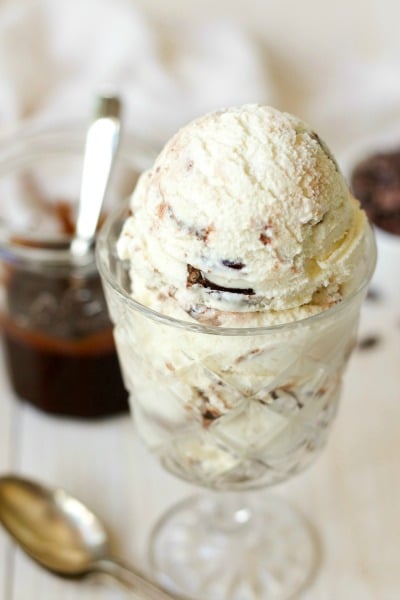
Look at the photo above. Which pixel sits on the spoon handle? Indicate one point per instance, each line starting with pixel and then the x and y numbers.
pixel 102 141
pixel 132 580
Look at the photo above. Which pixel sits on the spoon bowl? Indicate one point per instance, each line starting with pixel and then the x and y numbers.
pixel 54 528
pixel 63 535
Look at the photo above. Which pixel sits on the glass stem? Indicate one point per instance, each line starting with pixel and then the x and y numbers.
pixel 231 512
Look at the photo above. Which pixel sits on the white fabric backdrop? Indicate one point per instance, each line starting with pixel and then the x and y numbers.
pixel 336 65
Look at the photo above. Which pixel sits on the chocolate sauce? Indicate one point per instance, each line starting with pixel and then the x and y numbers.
pixel 59 345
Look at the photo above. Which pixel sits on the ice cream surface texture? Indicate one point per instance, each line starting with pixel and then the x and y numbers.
pixel 244 211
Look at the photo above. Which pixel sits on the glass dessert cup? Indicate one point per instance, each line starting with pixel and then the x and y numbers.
pixel 230 410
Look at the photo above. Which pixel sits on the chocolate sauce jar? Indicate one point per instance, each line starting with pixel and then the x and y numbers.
pixel 57 336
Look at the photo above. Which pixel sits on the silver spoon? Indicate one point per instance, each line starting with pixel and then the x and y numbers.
pixel 102 140
pixel 64 536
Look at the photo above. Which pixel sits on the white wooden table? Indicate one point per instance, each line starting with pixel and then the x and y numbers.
pixel 352 494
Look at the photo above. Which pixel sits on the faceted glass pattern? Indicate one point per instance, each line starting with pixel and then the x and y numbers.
pixel 234 412
pixel 229 409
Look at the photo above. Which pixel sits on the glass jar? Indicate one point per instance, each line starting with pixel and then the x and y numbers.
pixel 57 336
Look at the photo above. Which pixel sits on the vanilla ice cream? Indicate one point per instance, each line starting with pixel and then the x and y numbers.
pixel 244 211
pixel 247 261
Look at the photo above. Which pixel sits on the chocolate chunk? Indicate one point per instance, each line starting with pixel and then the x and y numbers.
pixel 209 415
pixel 368 342
pixel 264 239
pixel 233 264
pixel 376 183
pixel 374 295
pixel 208 412
pixel 283 399
pixel 196 277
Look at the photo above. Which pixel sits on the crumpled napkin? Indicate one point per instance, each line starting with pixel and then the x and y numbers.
pixel 55 55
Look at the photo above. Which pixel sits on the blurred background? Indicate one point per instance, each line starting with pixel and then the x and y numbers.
pixel 334 64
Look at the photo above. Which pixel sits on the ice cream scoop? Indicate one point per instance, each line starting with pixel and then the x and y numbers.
pixel 244 211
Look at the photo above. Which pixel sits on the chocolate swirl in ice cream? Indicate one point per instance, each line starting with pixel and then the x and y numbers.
pixel 196 277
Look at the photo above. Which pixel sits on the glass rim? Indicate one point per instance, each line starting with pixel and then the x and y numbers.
pixel 154 315
pixel 48 249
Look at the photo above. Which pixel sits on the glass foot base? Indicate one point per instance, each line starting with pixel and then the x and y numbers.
pixel 225 548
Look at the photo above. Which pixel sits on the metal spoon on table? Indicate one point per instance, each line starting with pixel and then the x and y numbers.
pixel 63 535
pixel 102 140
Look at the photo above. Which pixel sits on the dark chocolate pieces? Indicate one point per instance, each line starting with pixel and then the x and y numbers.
pixel 376 183
pixel 233 264
pixel 197 277
pixel 369 341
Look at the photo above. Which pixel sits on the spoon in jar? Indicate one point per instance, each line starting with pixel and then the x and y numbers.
pixel 64 536
pixel 102 140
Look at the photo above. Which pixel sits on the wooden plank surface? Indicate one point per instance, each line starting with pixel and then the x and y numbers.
pixel 9 447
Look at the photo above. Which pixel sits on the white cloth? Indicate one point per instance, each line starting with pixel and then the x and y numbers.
pixel 338 71
pixel 55 55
